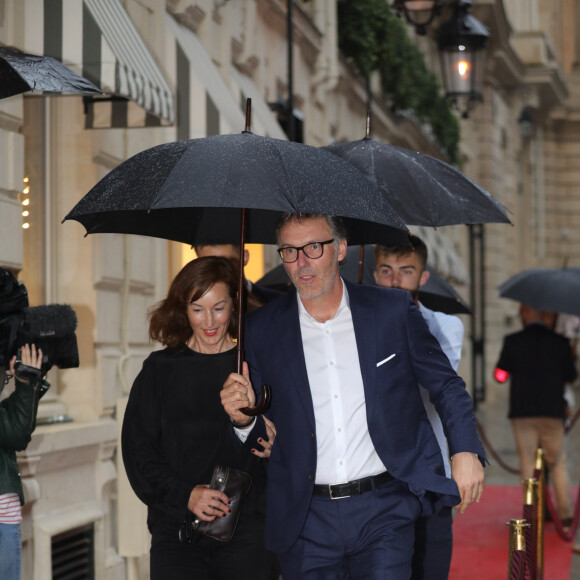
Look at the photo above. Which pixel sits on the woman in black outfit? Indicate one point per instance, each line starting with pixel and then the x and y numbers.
pixel 175 432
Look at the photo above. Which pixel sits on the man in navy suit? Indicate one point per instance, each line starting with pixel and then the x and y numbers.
pixel 355 461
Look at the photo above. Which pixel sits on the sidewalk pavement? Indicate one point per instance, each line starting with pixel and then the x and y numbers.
pixel 492 414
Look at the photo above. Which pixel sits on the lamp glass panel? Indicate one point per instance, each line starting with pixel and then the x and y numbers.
pixel 457 68
pixel 462 71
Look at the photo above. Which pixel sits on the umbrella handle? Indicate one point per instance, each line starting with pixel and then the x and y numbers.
pixel 265 397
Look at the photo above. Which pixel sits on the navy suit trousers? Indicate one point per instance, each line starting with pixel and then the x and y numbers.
pixel 363 537
pixel 433 546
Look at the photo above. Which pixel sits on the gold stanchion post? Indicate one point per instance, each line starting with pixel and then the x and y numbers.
pixel 541 477
pixel 517 549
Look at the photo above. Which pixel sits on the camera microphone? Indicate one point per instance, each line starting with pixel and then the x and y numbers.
pixel 51 320
pixel 52 328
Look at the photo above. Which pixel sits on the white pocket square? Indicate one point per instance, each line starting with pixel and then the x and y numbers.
pixel 386 360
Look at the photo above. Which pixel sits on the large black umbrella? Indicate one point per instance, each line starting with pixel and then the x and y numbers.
pixel 437 294
pixel 232 189
pixel 424 190
pixel 21 72
pixel 552 289
pixel 193 192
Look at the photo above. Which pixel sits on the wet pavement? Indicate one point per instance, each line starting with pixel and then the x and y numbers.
pixel 492 415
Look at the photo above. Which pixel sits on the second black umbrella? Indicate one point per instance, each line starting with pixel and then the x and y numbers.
pixel 423 190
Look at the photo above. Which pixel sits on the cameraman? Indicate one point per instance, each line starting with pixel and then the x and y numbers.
pixel 17 422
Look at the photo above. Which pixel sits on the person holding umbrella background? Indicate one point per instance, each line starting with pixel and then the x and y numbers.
pixel 405 267
pixel 175 432
pixel 343 363
pixel 539 362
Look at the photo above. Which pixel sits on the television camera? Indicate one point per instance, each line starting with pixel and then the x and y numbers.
pixel 50 327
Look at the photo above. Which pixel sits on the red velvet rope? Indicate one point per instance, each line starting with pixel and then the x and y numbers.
pixel 566 535
pixel 531 562
pixel 517 565
pixel 572 421
pixel 492 451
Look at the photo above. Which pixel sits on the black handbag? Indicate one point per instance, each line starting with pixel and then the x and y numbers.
pixel 235 484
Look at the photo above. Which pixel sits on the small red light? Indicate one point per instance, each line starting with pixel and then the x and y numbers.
pixel 500 375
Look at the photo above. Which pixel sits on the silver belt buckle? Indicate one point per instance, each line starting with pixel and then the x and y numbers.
pixel 331 485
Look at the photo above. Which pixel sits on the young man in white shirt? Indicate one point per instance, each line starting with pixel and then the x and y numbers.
pixel 406 268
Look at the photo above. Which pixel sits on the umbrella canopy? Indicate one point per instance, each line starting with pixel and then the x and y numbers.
pixel 232 189
pixel 552 289
pixel 21 72
pixel 424 190
pixel 437 294
pixel 193 192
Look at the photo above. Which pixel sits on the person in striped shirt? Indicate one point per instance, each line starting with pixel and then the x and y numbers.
pixel 17 422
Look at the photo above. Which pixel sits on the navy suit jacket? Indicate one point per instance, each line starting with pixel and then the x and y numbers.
pixel 386 322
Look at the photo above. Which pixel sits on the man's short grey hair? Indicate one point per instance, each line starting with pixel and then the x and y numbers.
pixel 335 223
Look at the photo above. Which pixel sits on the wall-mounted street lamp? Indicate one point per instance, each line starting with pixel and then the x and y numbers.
pixel 526 123
pixel 462 41
pixel 418 13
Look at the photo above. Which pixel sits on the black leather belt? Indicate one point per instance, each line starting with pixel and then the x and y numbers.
pixel 356 487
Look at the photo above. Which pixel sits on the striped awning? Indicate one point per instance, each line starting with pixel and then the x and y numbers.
pixel 264 121
pixel 202 91
pixel 97 39
pixel 207 103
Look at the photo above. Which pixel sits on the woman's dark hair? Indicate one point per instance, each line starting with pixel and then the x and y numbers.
pixel 169 324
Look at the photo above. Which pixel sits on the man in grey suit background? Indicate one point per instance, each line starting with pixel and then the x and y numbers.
pixel 355 461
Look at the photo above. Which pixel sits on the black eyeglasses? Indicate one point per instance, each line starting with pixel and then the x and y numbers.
pixel 313 250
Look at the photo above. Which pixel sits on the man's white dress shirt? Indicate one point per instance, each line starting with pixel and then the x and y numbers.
pixel 345 449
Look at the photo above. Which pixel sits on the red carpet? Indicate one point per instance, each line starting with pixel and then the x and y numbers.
pixel 481 539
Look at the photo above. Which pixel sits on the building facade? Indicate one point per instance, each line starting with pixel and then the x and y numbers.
pixel 179 69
